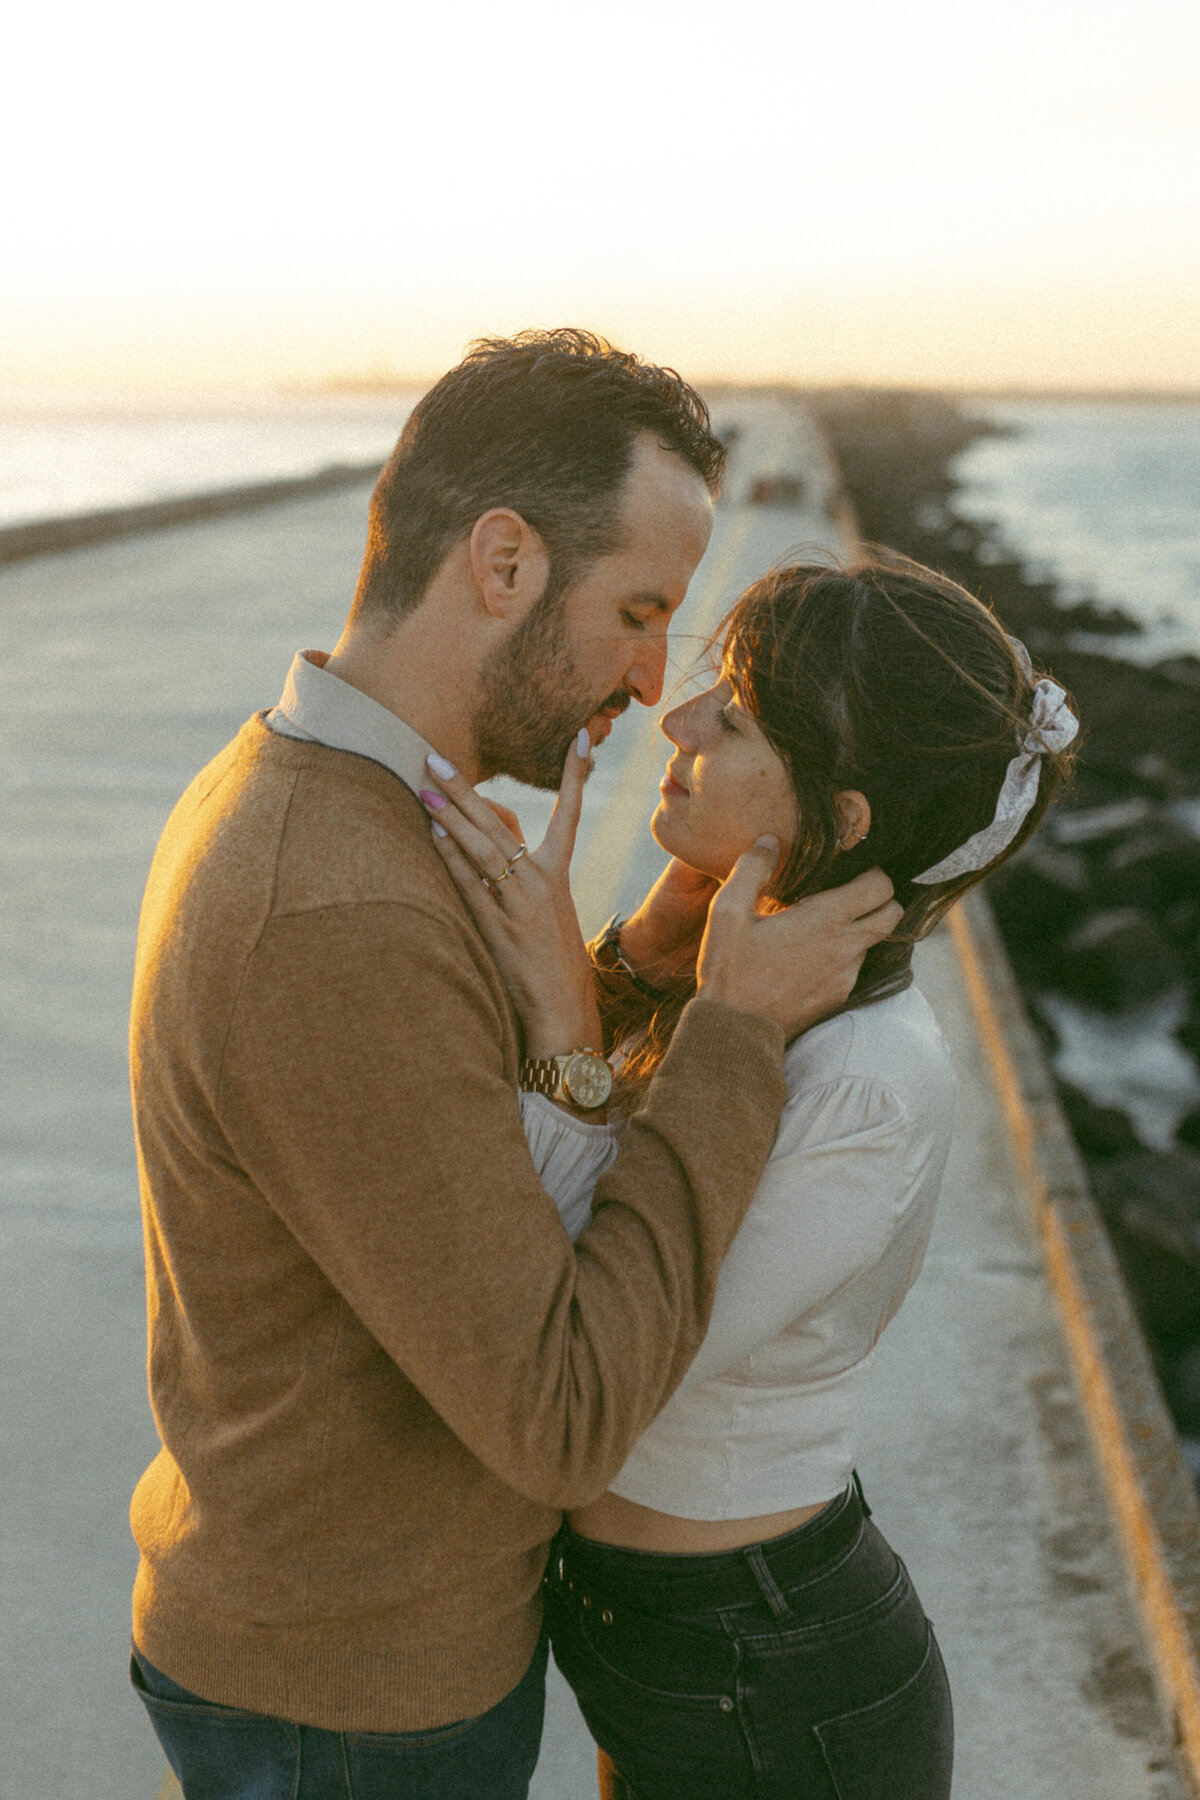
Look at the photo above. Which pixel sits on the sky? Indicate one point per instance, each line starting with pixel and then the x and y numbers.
pixel 934 191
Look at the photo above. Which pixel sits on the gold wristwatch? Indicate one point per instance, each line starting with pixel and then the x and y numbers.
pixel 582 1078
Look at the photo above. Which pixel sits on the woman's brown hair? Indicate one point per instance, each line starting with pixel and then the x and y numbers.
pixel 888 678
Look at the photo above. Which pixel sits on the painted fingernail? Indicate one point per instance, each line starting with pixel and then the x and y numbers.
pixel 445 771
pixel 439 830
pixel 583 743
pixel 431 799
pixel 766 843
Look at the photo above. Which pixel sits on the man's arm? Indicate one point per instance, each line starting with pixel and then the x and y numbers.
pixel 365 1095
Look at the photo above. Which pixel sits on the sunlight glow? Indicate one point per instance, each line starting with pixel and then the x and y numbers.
pixel 929 191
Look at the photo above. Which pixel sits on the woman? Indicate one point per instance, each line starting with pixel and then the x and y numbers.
pixel 730 1620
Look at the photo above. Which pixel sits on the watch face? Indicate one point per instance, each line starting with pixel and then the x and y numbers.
pixel 587 1079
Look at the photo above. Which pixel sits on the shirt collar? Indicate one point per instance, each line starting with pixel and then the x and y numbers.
pixel 320 706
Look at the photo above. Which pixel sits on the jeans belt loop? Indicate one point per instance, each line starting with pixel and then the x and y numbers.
pixel 770 1589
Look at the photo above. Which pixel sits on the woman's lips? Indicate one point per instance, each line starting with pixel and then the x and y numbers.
pixel 668 787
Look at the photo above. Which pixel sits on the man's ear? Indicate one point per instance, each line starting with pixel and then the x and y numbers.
pixel 509 563
pixel 854 818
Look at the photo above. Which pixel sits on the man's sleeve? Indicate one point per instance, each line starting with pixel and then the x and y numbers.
pixel 364 1093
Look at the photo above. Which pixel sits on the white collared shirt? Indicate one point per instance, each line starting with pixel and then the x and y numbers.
pixel 324 709
pixel 765 1419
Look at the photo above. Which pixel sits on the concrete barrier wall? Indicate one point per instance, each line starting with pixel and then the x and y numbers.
pixel 45 536
pixel 1150 1490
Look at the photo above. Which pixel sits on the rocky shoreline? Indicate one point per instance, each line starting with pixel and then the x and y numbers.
pixel 1101 912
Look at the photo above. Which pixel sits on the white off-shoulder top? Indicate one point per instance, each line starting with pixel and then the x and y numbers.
pixel 765 1419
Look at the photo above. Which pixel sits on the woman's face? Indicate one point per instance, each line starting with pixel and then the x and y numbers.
pixel 724 786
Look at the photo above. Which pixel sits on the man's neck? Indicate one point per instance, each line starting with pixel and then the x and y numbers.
pixel 419 673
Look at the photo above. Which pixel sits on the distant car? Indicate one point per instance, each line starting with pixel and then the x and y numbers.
pixel 777 490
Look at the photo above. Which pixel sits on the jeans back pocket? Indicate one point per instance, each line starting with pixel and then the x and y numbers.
pixel 213 1748
pixel 900 1747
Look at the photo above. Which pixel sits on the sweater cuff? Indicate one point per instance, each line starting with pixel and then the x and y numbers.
pixel 735 1046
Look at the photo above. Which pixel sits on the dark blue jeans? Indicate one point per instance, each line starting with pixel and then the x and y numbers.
pixel 221 1753
pixel 802 1668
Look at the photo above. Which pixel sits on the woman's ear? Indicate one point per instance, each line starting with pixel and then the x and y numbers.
pixel 509 563
pixel 854 818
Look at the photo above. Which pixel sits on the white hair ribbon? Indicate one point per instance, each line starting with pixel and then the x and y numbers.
pixel 1051 727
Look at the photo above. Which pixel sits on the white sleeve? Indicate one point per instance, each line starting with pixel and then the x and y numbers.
pixel 836 1187
pixel 569 1154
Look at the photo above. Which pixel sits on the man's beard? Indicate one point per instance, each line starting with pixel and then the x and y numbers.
pixel 533 701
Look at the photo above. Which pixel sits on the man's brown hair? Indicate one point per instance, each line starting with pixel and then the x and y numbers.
pixel 544 423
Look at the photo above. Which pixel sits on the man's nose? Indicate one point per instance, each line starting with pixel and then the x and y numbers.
pixel 646 674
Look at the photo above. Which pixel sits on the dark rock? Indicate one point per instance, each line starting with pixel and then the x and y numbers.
pixel 1155 1196
pixel 1039 896
pixel 1191 957
pixel 1188 1129
pixel 1181 922
pixel 1182 669
pixel 1160 775
pixel 1099 1131
pixel 1098 827
pixel 1188 1032
pixel 1153 868
pixel 1181 1379
pixel 1118 959
pixel 1151 1205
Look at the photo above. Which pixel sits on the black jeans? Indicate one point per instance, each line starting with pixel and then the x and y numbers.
pixel 802 1668
pixel 223 1753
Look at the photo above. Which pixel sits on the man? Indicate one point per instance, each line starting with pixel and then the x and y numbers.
pixel 378 1366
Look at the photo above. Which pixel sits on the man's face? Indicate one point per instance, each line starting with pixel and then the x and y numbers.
pixel 590 651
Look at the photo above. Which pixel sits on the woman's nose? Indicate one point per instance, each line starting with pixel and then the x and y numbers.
pixel 676 724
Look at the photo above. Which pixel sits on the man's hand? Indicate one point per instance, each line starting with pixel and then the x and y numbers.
pixel 797 966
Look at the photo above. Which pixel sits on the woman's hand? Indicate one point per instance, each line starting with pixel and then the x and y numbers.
pixel 521 901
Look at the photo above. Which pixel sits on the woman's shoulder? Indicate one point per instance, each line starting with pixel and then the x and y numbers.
pixel 894 1047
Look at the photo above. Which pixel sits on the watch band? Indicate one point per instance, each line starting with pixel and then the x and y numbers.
pixel 541 1075
pixel 551 1076
pixel 606 955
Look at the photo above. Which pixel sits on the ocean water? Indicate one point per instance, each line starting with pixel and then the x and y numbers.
pixel 62 455
pixel 1103 496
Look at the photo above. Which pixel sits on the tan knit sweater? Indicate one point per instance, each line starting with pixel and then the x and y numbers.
pixel 378 1366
